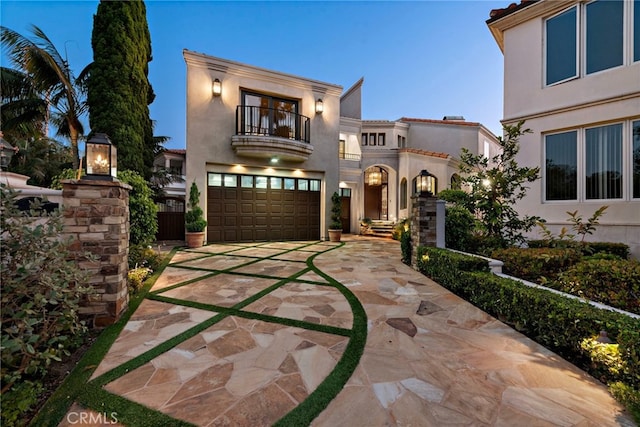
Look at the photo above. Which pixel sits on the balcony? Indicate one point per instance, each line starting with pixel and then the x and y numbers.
pixel 268 133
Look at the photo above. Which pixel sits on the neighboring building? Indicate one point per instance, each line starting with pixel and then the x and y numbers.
pixel 268 149
pixel 572 72
pixel 171 206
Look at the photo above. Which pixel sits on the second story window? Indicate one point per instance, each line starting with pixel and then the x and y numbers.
pixel 591 37
pixel 381 138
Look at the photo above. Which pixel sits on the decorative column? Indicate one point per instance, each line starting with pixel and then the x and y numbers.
pixel 96 217
pixel 423 224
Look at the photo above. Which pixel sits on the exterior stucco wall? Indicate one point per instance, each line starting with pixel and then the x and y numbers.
pixel 211 123
pixel 444 138
pixel 606 97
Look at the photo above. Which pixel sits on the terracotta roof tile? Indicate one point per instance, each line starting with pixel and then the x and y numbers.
pixel 176 151
pixel 424 152
pixel 440 122
pixel 500 13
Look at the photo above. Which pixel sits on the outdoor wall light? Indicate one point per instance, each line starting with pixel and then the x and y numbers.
pixel 319 106
pixel 102 158
pixel 425 183
pixel 216 87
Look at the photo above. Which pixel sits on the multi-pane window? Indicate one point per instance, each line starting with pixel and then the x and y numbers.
pixel 403 193
pixel 269 115
pixel 262 182
pixel 381 139
pixel 365 139
pixel 589 163
pixel 590 37
pixel 372 139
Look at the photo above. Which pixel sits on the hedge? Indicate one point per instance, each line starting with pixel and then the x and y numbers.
pixel 589 248
pixel 559 323
pixel 532 264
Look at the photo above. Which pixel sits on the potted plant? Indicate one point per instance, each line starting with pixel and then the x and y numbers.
pixel 194 223
pixel 335 228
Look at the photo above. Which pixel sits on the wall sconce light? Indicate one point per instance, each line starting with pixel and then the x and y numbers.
pixel 102 158
pixel 319 106
pixel 216 87
pixel 425 183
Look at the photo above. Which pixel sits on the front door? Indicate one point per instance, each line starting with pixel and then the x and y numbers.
pixel 345 214
pixel 375 193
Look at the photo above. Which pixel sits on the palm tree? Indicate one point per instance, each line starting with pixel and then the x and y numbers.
pixel 53 80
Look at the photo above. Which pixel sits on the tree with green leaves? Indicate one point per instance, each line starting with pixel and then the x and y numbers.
pixel 42 88
pixel 497 183
pixel 119 92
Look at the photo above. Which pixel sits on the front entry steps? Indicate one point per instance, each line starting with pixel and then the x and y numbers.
pixel 379 228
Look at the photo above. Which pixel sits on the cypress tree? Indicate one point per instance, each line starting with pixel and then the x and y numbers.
pixel 118 91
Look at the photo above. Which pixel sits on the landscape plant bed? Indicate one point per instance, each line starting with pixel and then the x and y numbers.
pixel 565 326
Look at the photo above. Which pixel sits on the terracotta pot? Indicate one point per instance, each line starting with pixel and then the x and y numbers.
pixel 335 235
pixel 194 239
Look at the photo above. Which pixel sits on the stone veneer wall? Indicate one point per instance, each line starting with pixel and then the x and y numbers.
pixel 423 225
pixel 96 217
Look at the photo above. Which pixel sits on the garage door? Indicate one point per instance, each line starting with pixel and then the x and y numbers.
pixel 248 208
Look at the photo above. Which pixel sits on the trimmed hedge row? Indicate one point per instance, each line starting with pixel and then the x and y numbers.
pixel 560 324
pixel 534 263
pixel 588 248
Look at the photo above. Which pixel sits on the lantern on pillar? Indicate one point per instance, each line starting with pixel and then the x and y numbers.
pixel 102 158
pixel 425 184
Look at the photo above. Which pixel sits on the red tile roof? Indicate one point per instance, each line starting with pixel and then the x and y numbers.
pixel 176 151
pixel 496 14
pixel 440 122
pixel 424 152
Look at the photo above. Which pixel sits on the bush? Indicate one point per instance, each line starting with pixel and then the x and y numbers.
pixel 459 226
pixel 405 246
pixel 143 212
pixel 193 219
pixel 533 264
pixel 559 323
pixel 41 294
pixel 136 278
pixel 587 248
pixel 612 282
pixel 144 256
pixel 336 212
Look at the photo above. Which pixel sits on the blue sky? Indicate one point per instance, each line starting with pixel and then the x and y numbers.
pixel 421 59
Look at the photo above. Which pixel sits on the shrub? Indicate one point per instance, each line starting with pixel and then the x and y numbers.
pixel 612 282
pixel 620 250
pixel 336 211
pixel 193 219
pixel 558 323
pixel 399 228
pixel 136 278
pixel 533 264
pixel 144 256
pixel 41 294
pixel 143 212
pixel 459 226
pixel 56 182
pixel 405 245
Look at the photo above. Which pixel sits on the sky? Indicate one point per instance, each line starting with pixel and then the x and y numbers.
pixel 420 59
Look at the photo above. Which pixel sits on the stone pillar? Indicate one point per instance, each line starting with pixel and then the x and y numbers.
pixel 441 214
pixel 423 224
pixel 96 217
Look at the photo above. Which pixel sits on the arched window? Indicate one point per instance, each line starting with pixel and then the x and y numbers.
pixel 403 193
pixel 456 182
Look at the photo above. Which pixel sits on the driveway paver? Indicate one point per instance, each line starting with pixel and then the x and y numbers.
pixel 240 335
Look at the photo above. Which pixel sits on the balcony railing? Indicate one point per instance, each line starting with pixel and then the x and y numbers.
pixel 350 156
pixel 281 123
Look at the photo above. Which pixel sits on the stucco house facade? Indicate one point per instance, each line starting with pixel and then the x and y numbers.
pixel 268 149
pixel 572 72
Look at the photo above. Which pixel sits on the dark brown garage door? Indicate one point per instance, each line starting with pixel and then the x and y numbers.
pixel 248 208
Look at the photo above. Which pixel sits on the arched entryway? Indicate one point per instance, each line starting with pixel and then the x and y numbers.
pixel 376 193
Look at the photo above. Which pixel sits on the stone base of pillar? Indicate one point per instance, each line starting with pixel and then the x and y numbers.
pixel 96 219
pixel 423 225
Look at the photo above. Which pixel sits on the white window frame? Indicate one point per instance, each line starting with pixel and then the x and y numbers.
pixel 581 37
pixel 581 161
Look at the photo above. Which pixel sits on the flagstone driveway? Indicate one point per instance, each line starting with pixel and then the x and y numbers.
pixel 250 334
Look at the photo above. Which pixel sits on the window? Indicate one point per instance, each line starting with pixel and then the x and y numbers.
pixel 485 149
pixel 365 139
pixel 276 183
pixel 604 35
pixel 562 46
pixel 635 158
pixel 591 164
pixel 314 185
pixel 381 138
pixel 261 182
pixel 289 183
pixel 403 193
pixel 303 184
pixel 372 139
pixel 604 162
pixel 231 180
pixel 345 192
pixel 341 148
pixel 560 167
pixel 246 181
pixel 215 180
pixel 590 37
pixel 269 115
